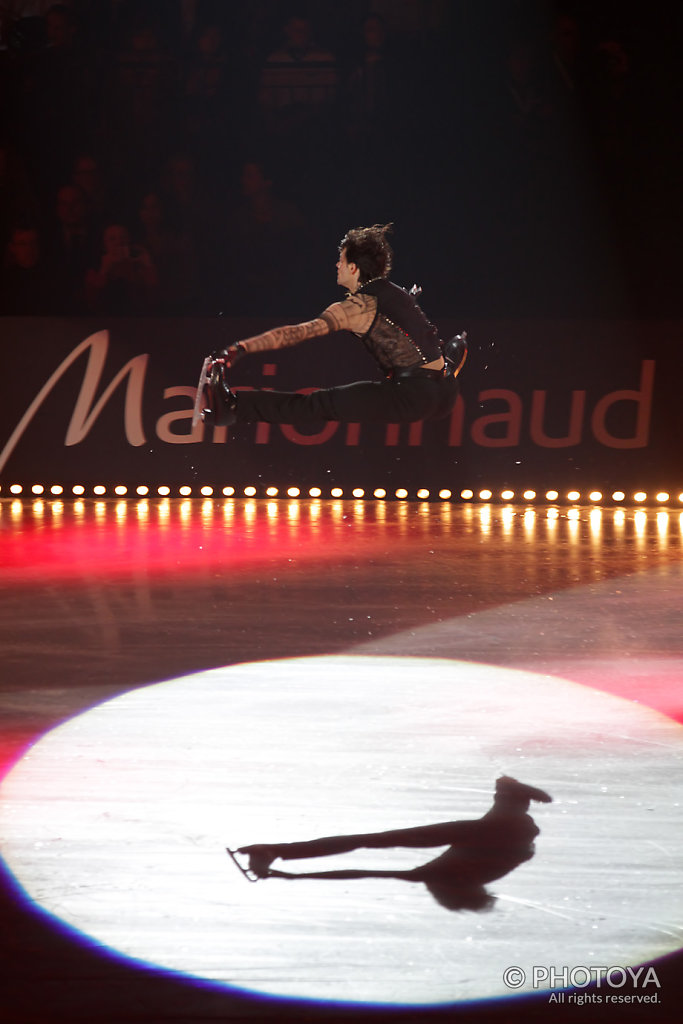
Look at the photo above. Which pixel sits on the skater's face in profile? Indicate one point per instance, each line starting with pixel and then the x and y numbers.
pixel 347 273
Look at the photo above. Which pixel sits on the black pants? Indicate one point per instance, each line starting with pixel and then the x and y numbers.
pixel 418 397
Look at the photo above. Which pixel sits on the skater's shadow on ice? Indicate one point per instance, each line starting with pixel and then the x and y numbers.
pixel 479 850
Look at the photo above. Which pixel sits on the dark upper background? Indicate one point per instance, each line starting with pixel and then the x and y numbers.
pixel 528 153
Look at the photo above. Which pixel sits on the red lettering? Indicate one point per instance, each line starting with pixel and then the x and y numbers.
pixel 163 428
pixel 538 435
pixel 513 419
pixel 456 425
pixel 643 404
pixel 263 429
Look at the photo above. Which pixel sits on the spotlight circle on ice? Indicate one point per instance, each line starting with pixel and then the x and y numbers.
pixel 116 824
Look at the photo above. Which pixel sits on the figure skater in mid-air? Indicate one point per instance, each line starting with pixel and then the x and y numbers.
pixel 419 369
pixel 479 850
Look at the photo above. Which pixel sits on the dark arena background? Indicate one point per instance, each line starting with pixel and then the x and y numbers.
pixel 218 637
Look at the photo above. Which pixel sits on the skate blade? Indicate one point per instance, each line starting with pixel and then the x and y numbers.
pixel 199 398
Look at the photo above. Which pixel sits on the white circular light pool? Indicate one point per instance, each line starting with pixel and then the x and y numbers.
pixel 116 824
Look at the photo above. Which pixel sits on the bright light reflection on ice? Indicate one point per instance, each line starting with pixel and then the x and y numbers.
pixel 117 821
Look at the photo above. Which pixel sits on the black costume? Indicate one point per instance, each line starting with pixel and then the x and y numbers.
pixel 400 338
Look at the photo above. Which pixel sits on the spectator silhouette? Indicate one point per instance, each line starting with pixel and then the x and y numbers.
pixel 567 69
pixel 208 92
pixel 267 235
pixel 261 207
pixel 176 21
pixel 615 112
pixel 173 255
pixel 71 246
pixel 299 81
pixel 63 91
pixel 26 281
pixel 124 283
pixel 414 22
pixel 186 201
pixel 22 23
pixel 48 92
pixel 18 200
pixel 141 109
pixel 204 79
pixel 89 175
pixel 479 851
pixel 527 109
pixel 370 87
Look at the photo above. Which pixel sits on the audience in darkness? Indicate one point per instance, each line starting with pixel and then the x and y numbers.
pixel 142 117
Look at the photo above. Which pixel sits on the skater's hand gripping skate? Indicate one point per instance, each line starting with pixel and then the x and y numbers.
pixel 260 859
pixel 213 398
pixel 230 355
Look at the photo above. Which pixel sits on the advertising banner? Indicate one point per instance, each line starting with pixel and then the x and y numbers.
pixel 566 404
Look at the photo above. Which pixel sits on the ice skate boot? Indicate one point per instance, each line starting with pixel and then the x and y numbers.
pixel 512 791
pixel 455 354
pixel 218 402
pixel 214 401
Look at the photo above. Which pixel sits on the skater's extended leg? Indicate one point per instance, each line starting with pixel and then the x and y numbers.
pixel 345 875
pixel 379 401
pixel 412 399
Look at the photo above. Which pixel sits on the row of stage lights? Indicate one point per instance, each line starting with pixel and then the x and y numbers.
pixel 378 493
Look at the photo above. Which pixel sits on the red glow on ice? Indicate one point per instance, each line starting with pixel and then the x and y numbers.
pixel 117 539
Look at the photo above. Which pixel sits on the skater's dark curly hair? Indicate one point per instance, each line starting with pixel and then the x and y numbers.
pixel 369 250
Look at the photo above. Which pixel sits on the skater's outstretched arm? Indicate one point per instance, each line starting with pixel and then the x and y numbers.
pixel 446 833
pixel 284 337
pixel 355 313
